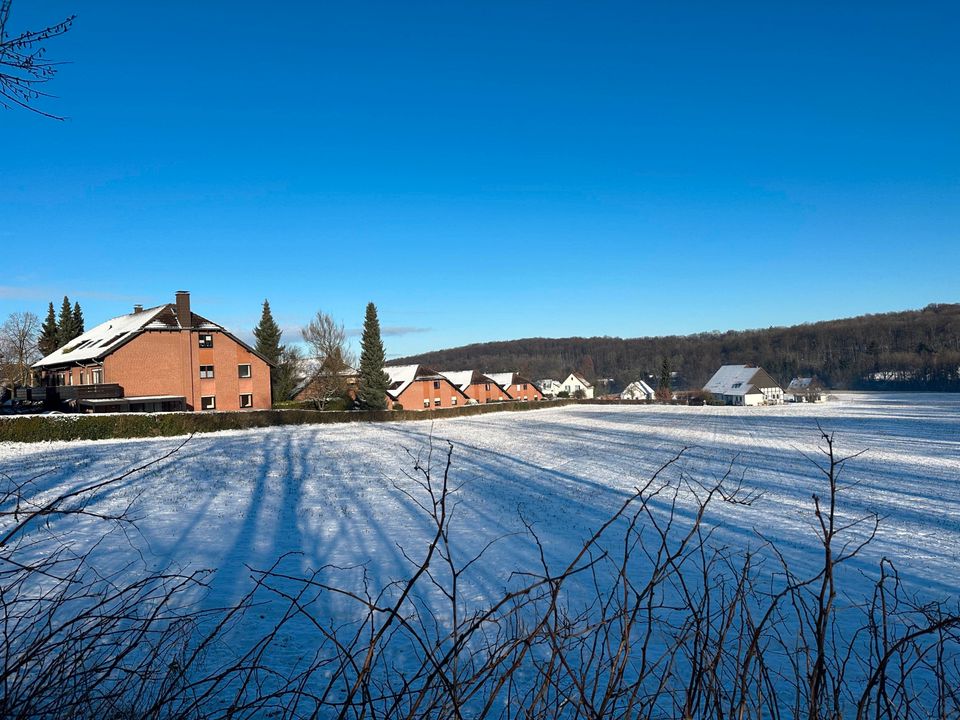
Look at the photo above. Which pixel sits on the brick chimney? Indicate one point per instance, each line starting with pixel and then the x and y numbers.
pixel 183 309
pixel 137 309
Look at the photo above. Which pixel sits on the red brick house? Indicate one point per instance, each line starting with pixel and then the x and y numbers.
pixel 417 387
pixel 517 386
pixel 477 386
pixel 161 358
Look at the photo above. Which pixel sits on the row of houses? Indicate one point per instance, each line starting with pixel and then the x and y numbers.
pixel 170 358
pixel 418 387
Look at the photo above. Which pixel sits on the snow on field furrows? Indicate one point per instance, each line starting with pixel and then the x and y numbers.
pixel 242 498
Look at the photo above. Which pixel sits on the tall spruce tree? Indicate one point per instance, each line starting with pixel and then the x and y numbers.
pixel 664 393
pixel 373 380
pixel 268 334
pixel 49 333
pixel 65 331
pixel 77 320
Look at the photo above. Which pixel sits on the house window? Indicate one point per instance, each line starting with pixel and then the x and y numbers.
pixel 244 370
pixel 96 377
pixel 246 399
pixel 436 384
pixel 206 340
pixel 524 386
pixel 81 377
pixel 486 386
pixel 436 401
pixel 206 372
pixel 426 403
pixel 208 402
pixel 453 401
pixel 70 378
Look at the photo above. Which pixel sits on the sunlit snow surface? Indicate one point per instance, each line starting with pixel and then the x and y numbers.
pixel 236 499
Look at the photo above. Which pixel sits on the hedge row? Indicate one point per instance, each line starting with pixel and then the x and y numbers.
pixel 38 428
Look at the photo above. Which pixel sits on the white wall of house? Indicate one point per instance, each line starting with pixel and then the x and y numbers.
pixel 549 387
pixel 637 391
pixel 572 384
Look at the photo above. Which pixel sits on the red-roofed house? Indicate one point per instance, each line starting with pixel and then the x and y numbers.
pixel 161 358
pixel 517 386
pixel 477 386
pixel 417 387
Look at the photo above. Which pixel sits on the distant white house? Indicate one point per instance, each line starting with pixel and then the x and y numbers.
pixel 575 384
pixel 805 389
pixel 637 390
pixel 744 385
pixel 549 387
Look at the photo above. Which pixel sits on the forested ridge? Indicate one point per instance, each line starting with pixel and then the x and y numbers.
pixel 909 350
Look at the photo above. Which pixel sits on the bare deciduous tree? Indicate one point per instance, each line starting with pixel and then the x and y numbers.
pixel 332 359
pixel 24 69
pixel 18 346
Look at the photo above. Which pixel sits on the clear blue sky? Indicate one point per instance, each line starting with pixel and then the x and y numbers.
pixel 490 170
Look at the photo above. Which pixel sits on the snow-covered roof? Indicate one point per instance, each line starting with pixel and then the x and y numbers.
pixel 502 379
pixel 739 380
pixel 99 341
pixel 106 337
pixel 800 383
pixel 637 386
pixel 400 377
pixel 731 380
pixel 465 378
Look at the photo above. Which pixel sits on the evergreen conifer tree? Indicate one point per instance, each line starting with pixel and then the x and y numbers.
pixel 268 334
pixel 77 320
pixel 373 380
pixel 664 393
pixel 49 333
pixel 65 323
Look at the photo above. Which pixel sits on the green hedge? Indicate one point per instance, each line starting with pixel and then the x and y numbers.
pixel 38 428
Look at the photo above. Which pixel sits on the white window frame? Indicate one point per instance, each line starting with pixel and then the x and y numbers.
pixel 246 395
pixel 211 372
pixel 249 368
pixel 212 399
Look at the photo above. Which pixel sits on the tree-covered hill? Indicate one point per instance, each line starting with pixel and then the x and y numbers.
pixel 910 350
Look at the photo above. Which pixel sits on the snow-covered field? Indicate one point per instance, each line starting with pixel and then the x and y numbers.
pixel 332 492
pixel 328 491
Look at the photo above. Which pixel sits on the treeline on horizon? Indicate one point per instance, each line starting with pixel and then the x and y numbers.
pixel 909 350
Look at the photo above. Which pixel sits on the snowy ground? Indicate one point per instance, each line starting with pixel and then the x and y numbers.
pixel 238 498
